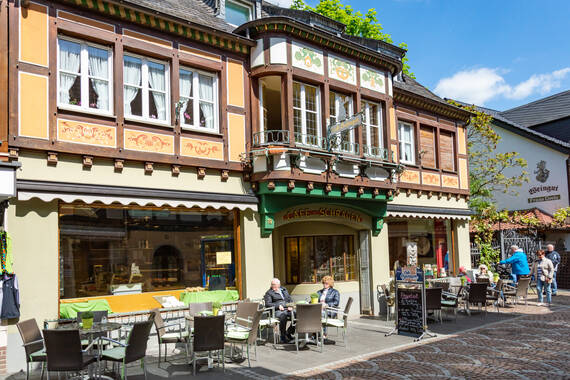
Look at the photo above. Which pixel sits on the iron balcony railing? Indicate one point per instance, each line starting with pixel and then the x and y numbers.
pixel 271 137
pixel 375 152
pixel 283 137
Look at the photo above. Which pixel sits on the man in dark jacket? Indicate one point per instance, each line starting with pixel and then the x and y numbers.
pixel 553 256
pixel 278 298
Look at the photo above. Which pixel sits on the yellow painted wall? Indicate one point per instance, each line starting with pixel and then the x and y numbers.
pixel 257 257
pixel 33 105
pixel 393 126
pixel 462 244
pixel 70 169
pixel 461 141
pixel 236 129
pixel 379 261
pixel 236 92
pixel 425 201
pixel 463 174
pixel 34 34
pixel 33 227
pixel 200 53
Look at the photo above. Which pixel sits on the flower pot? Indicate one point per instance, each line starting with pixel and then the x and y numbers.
pixel 215 311
pixel 314 300
pixel 87 323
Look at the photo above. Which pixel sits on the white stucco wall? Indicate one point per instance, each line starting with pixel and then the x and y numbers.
pixel 533 153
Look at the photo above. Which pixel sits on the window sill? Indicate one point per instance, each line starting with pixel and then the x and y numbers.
pixel 148 121
pixel 412 164
pixel 86 111
pixel 454 172
pixel 213 132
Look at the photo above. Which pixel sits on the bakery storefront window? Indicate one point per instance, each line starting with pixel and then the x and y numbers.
pixel 310 258
pixel 430 238
pixel 107 250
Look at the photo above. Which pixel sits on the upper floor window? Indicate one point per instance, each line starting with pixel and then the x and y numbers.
pixel 447 150
pixel 237 13
pixel 84 76
pixel 306 114
pixel 372 128
pixel 406 137
pixel 427 147
pixel 198 94
pixel 340 108
pixel 146 90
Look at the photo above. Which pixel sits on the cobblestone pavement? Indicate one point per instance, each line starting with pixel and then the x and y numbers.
pixel 535 345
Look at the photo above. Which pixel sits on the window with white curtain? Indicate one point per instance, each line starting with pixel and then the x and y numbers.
pixel 198 96
pixel 306 114
pixel 406 138
pixel 85 73
pixel 340 108
pixel 372 127
pixel 146 89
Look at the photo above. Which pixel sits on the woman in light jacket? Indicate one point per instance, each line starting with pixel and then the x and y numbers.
pixel 543 271
pixel 328 296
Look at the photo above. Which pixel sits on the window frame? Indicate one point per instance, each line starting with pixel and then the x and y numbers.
pixel 239 4
pixel 367 125
pixel 304 111
pixel 401 142
pixel 351 133
pixel 196 100
pixel 145 95
pixel 84 77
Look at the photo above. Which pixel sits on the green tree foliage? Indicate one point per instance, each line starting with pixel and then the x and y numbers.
pixel 357 24
pixel 487 175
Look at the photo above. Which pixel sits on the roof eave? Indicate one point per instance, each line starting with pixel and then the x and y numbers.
pixel 404 96
pixel 395 65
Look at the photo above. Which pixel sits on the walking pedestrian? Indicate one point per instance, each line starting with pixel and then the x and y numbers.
pixel 543 271
pixel 553 256
pixel 519 263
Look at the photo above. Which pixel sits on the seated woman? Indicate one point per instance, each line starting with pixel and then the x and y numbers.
pixel 328 296
pixel 484 274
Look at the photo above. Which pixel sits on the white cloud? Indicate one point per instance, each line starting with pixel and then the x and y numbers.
pixel 483 84
pixel 282 3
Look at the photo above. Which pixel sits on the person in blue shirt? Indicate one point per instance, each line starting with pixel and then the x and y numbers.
pixel 519 263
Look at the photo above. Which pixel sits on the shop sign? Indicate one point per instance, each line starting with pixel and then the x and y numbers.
pixel 409 274
pixel 223 257
pixel 323 212
pixel 351 122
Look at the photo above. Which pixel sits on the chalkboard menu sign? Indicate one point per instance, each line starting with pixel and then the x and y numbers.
pixel 410 311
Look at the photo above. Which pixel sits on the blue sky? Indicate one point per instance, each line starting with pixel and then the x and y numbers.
pixel 496 53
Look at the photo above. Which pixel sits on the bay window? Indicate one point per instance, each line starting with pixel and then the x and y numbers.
pixel 406 138
pixel 146 89
pixel 306 114
pixel 340 107
pixel 372 128
pixel 84 76
pixel 198 96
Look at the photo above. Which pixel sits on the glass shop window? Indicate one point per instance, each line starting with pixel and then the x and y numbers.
pixel 112 250
pixel 310 258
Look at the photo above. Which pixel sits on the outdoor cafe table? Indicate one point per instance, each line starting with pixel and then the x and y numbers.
pixel 96 329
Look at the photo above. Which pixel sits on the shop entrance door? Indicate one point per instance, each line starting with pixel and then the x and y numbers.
pixel 365 300
pixel 218 263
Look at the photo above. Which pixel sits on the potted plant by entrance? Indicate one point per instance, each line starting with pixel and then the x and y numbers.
pixel 87 319
pixel 216 306
pixel 314 298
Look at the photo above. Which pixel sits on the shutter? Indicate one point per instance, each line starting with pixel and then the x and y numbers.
pixel 427 146
pixel 446 151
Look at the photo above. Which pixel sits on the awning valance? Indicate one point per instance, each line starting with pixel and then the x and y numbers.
pixel 68 193
pixel 404 211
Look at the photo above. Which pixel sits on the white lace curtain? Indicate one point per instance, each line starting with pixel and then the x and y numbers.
pixel 156 79
pixel 207 101
pixel 69 61
pixel 98 67
pixel 131 75
pixel 185 91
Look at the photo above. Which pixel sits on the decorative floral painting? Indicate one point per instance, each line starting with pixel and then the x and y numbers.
pixel 372 80
pixel 201 148
pixel 307 59
pixel 86 133
pixel 342 70
pixel 148 142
